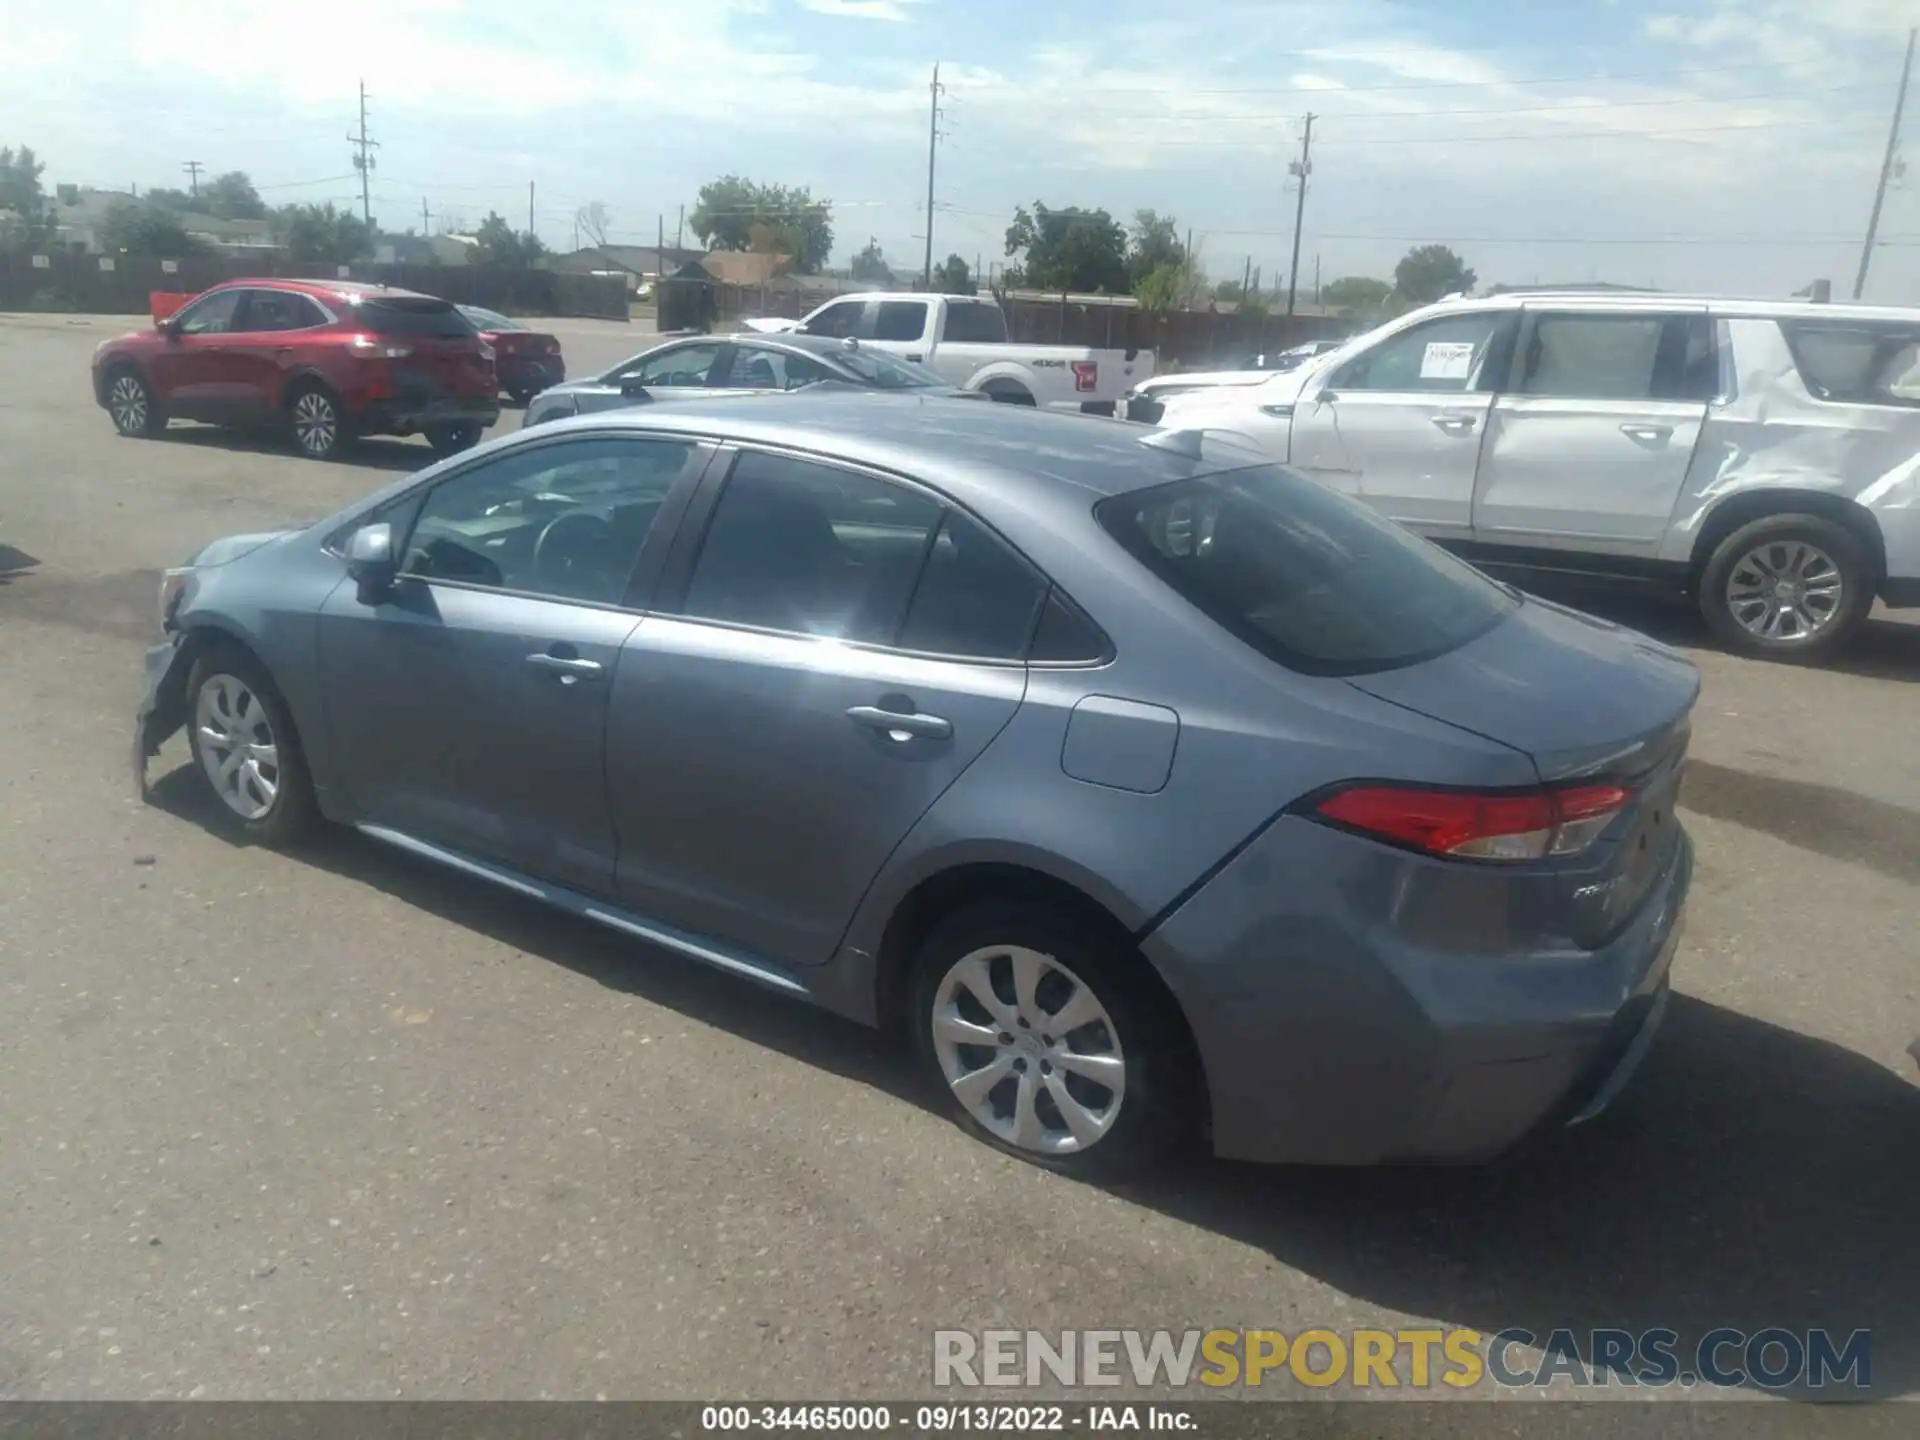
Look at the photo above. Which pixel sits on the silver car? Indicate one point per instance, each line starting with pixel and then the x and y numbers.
pixel 1756 456
pixel 1159 794
pixel 694 365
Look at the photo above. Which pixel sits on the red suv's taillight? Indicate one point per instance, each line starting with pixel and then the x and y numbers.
pixel 1498 825
pixel 1086 375
pixel 372 347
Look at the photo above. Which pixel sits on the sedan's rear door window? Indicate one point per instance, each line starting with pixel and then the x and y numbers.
pixel 1307 577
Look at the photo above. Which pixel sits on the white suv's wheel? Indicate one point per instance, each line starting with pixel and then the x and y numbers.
pixel 1790 586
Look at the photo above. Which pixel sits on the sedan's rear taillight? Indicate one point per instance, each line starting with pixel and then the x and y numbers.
pixel 372 347
pixel 1497 825
pixel 1086 375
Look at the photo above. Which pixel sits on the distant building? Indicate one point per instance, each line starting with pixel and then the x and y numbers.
pixel 79 214
pixel 641 262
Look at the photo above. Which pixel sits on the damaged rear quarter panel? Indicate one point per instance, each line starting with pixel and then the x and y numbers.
pixel 1767 432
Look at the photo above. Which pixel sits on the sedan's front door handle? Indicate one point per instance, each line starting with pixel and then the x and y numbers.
pixel 569 668
pixel 1646 432
pixel 900 727
pixel 1454 424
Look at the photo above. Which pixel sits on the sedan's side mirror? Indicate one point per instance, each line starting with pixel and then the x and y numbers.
pixel 370 559
pixel 634 390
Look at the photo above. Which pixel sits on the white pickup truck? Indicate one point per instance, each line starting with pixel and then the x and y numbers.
pixel 964 339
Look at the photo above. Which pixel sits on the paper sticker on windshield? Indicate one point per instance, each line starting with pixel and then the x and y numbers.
pixel 1447 360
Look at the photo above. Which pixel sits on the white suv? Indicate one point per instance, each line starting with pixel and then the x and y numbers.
pixel 1761 457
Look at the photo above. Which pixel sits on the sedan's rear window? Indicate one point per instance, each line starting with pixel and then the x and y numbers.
pixel 421 319
pixel 1309 578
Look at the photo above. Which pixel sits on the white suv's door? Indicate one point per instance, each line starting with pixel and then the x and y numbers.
pixel 1400 423
pixel 1588 446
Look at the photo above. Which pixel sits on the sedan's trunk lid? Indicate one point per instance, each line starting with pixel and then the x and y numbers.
pixel 1580 696
pixel 1588 702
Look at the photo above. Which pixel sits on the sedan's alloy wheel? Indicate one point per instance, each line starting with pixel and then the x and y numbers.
pixel 1028 1050
pixel 237 746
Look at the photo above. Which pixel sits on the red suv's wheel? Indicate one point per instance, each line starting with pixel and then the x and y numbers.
pixel 319 427
pixel 131 404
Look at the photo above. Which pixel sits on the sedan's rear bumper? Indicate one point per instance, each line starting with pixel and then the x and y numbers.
pixel 1380 1021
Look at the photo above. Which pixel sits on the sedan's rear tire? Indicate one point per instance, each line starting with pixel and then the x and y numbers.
pixel 246 749
pixel 131 404
pixel 1048 1041
pixel 452 438
pixel 1788 587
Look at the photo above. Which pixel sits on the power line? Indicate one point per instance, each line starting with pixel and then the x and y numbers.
pixel 363 157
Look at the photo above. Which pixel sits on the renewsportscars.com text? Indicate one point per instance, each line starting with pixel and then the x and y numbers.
pixel 1416 1359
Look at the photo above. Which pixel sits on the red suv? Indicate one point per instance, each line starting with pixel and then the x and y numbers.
pixel 327 360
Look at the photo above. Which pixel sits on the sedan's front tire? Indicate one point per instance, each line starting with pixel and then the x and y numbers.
pixel 246 749
pixel 1047 1041
pixel 453 437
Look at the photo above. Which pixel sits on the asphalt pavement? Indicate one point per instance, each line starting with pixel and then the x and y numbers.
pixel 343 1126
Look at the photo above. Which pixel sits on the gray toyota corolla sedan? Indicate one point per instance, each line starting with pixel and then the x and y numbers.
pixel 1157 793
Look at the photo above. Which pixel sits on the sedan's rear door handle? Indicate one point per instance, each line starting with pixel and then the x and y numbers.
pixel 900 727
pixel 568 667
pixel 1454 424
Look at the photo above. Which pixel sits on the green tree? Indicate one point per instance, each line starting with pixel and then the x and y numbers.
pixel 323 233
pixel 232 197
pixel 1224 290
pixel 1162 290
pixel 734 213
pixel 496 243
pixel 952 277
pixel 132 228
pixel 870 264
pixel 23 205
pixel 166 199
pixel 1156 243
pixel 1360 293
pixel 1427 272
pixel 1069 249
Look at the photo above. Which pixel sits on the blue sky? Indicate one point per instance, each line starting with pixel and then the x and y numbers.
pixel 1724 144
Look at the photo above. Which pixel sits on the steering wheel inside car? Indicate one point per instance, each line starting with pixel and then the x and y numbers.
pixel 576 555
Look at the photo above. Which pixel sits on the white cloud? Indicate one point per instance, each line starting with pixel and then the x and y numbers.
pixel 860 9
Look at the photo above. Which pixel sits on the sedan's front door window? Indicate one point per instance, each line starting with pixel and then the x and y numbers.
pixel 564 521
pixel 677 366
pixel 1446 355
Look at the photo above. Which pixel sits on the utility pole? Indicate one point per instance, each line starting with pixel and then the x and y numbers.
pixel 426 217
pixel 193 169
pixel 933 139
pixel 363 149
pixel 1886 168
pixel 1316 279
pixel 1246 279
pixel 659 247
pixel 1302 168
pixel 679 227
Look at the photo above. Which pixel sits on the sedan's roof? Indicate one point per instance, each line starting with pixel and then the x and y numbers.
pixel 972 448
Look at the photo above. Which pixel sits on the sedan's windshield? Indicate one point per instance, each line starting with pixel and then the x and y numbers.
pixel 1307 577
pixel 884 372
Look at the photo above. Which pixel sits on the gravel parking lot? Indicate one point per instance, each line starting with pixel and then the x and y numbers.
pixel 344 1126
